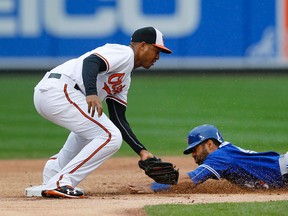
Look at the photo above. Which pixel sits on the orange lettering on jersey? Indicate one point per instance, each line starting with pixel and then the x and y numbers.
pixel 115 80
pixel 106 88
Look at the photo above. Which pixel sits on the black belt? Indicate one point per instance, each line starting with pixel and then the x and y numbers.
pixel 58 76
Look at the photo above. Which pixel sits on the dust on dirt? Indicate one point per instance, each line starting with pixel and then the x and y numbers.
pixel 107 190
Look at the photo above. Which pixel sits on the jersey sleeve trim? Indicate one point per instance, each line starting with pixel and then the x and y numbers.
pixel 105 60
pixel 118 100
pixel 211 170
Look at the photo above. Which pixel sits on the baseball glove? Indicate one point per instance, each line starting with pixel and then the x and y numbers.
pixel 160 172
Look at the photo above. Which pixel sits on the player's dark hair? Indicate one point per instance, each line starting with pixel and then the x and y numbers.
pixel 216 142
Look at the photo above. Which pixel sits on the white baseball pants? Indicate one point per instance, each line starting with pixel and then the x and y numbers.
pixel 91 141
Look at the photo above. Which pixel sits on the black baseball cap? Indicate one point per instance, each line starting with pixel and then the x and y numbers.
pixel 150 35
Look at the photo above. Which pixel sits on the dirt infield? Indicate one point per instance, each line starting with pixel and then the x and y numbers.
pixel 108 193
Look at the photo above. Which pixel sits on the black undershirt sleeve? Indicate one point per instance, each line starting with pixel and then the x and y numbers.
pixel 92 65
pixel 117 116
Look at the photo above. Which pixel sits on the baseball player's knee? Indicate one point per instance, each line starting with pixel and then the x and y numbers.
pixel 116 137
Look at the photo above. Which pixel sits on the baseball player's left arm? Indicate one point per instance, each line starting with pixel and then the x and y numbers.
pixel 117 115
pixel 92 65
pixel 183 182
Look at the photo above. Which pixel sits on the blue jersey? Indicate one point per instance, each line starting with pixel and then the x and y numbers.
pixel 241 167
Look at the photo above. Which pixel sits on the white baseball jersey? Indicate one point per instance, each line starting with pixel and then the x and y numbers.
pixel 113 83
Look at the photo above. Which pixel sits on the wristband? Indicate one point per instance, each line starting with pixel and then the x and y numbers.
pixel 159 187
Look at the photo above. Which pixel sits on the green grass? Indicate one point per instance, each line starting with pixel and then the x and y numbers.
pixel 275 208
pixel 250 111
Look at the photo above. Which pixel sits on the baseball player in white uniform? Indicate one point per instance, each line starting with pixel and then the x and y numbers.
pixel 71 96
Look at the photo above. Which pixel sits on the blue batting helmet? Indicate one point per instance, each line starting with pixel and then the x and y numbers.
pixel 200 134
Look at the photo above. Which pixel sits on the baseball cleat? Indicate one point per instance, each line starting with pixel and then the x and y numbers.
pixel 63 192
pixel 36 190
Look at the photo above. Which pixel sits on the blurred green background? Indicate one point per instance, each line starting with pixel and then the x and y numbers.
pixel 251 111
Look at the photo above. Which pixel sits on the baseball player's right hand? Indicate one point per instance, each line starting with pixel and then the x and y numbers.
pixel 94 103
